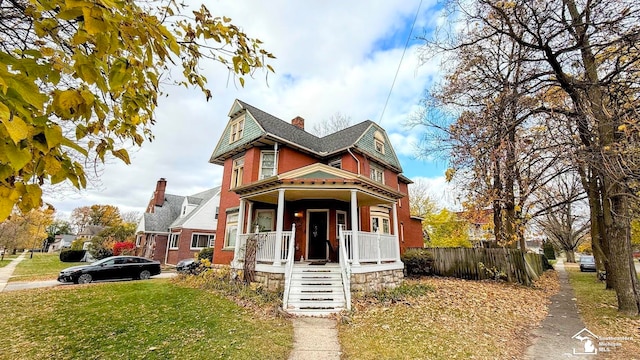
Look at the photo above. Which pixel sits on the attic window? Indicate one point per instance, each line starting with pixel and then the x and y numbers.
pixel 378 140
pixel 237 128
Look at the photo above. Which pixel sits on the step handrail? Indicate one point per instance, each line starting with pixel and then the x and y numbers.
pixel 345 269
pixel 288 269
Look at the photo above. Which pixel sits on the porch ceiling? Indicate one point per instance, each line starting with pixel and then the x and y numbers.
pixel 365 198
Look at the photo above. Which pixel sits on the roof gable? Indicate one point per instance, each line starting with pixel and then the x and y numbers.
pixel 251 131
pixel 366 144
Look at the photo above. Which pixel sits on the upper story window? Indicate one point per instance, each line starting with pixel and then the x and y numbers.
pixel 377 174
pixel 237 128
pixel 267 164
pixel 378 141
pixel 237 172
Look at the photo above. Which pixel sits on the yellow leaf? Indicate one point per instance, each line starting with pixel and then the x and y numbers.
pixel 53 134
pixel 18 130
pixel 5 113
pixel 93 22
pixel 18 157
pixel 6 205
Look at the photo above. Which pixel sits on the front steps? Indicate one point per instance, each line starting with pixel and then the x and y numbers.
pixel 316 290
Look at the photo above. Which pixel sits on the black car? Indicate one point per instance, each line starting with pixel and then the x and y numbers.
pixel 587 263
pixel 111 268
pixel 187 266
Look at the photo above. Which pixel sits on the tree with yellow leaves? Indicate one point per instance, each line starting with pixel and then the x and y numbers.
pixel 78 79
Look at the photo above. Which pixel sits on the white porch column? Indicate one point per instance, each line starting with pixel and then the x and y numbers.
pixel 279 224
pixel 354 228
pixel 395 231
pixel 249 217
pixel 236 250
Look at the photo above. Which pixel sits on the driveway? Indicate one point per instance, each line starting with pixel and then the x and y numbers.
pixel 13 286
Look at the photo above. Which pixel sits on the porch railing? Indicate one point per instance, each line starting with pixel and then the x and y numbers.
pixel 345 269
pixel 372 247
pixel 267 245
pixel 288 269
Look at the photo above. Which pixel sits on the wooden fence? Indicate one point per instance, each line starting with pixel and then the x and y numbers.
pixel 478 263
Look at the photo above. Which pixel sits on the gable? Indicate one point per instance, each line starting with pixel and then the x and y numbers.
pixel 251 132
pixel 367 144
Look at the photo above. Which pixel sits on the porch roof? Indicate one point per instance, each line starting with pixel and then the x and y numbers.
pixel 319 181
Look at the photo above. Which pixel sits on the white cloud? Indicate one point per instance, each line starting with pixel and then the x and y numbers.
pixel 332 56
pixel 446 195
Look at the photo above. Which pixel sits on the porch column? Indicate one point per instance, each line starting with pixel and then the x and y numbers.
pixel 249 217
pixel 395 231
pixel 240 230
pixel 354 228
pixel 279 224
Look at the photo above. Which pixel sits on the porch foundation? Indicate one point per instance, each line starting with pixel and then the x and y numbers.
pixel 376 281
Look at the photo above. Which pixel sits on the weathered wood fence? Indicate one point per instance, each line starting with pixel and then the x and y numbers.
pixel 478 263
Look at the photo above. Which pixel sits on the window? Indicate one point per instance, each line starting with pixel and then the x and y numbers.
pixel 217 212
pixel 173 240
pixel 237 128
pixel 336 163
pixel 237 172
pixel 341 221
pixel 264 220
pixel 380 220
pixel 199 241
pixel 231 231
pixel 138 240
pixel 378 142
pixel 267 164
pixel 377 174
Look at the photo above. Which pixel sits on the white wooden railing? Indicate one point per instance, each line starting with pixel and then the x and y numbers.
pixel 288 269
pixel 345 269
pixel 372 247
pixel 267 245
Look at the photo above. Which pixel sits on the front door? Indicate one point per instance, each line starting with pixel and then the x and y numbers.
pixel 317 235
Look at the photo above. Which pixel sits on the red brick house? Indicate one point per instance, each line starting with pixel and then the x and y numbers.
pixel 339 201
pixel 175 227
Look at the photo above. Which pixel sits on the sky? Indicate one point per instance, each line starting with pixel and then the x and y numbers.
pixel 332 56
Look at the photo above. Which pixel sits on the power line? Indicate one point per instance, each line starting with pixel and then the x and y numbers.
pixel 399 64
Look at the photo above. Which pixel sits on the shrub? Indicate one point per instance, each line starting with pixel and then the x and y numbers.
pixel 206 253
pixel 549 251
pixel 417 262
pixel 71 255
pixel 124 248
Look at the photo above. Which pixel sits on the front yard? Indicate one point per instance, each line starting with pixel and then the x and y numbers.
pixel 598 308
pixel 135 320
pixel 42 266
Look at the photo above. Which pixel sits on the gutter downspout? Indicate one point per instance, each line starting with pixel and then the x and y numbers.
pixel 275 158
pixel 355 158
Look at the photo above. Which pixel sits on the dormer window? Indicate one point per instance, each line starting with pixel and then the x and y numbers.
pixel 378 141
pixel 237 128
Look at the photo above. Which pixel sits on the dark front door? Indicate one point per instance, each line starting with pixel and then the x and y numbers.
pixel 317 235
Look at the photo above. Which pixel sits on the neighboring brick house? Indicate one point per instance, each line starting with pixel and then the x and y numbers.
pixel 175 227
pixel 278 177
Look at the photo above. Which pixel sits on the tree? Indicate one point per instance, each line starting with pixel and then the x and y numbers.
pixel 583 63
pixel 79 79
pixel 102 245
pixel 567 223
pixel 447 230
pixel 335 123
pixel 57 227
pixel 25 230
pixel 101 215
pixel 131 217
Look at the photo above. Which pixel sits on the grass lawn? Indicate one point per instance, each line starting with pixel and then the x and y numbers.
pixel 153 319
pixel 7 259
pixel 42 266
pixel 598 308
pixel 459 319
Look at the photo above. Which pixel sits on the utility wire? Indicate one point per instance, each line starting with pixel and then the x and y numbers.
pixel 399 64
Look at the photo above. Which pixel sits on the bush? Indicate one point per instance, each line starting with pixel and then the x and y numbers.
pixel 549 251
pixel 417 262
pixel 72 255
pixel 124 248
pixel 206 253
pixel 101 253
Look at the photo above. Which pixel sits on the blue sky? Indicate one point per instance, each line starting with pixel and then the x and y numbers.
pixel 332 56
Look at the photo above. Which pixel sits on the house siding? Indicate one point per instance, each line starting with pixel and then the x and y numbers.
pixel 250 132
pixel 366 144
pixel 184 250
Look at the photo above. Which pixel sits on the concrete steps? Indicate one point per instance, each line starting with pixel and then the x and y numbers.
pixel 316 290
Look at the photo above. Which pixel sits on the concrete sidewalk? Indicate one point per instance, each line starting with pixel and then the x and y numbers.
pixel 7 271
pixel 554 338
pixel 315 339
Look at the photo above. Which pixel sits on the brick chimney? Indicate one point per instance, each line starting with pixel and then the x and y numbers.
pixel 158 195
pixel 298 122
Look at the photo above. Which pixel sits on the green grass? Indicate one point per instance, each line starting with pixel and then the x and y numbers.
pixel 40 267
pixel 598 309
pixel 152 319
pixel 7 259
